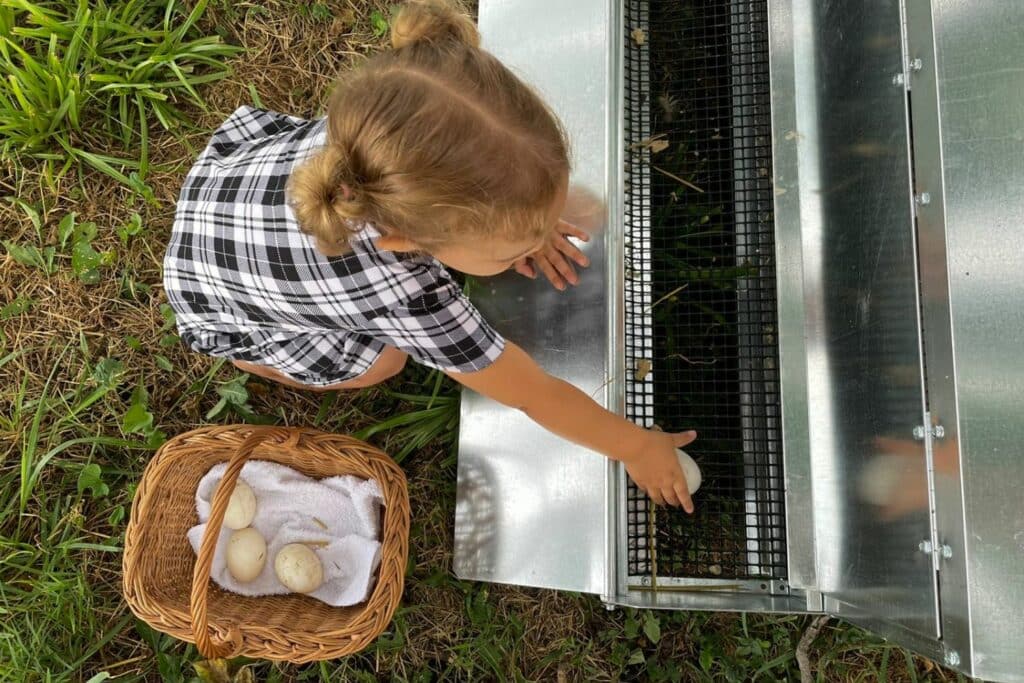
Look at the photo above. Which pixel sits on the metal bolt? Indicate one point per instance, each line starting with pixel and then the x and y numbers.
pixel 919 433
pixel 947 551
pixel 609 607
pixel 898 79
pixel 923 198
pixel 952 658
pixel 925 547
pixel 916 64
pixel 939 432
pixel 645 581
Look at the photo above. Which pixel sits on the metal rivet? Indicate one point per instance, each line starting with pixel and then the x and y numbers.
pixel 925 546
pixel 916 64
pixel 947 551
pixel 645 581
pixel 952 658
pixel 897 79
pixel 939 432
pixel 919 433
pixel 923 198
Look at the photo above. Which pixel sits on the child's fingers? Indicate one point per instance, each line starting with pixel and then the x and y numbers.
pixel 549 271
pixel 523 267
pixel 669 495
pixel 569 229
pixel 684 438
pixel 683 494
pixel 572 251
pixel 564 268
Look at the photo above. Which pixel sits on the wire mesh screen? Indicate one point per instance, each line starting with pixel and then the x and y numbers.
pixel 700 283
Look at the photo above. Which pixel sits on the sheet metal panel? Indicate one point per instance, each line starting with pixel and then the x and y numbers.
pixel 797 212
pixel 847 160
pixel 531 508
pixel 979 54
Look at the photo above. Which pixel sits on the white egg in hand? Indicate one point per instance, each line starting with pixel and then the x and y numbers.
pixel 241 507
pixel 298 568
pixel 247 553
pixel 690 471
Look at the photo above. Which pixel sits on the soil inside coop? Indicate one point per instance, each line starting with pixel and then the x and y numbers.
pixel 700 234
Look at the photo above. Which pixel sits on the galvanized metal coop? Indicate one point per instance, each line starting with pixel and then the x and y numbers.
pixel 809 250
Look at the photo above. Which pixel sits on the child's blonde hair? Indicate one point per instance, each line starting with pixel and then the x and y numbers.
pixel 434 141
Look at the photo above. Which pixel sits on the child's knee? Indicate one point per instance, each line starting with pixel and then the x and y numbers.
pixel 390 362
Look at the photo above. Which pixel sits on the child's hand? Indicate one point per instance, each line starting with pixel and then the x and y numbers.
pixel 556 258
pixel 654 467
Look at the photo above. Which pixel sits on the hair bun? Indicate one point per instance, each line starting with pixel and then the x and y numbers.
pixel 433 21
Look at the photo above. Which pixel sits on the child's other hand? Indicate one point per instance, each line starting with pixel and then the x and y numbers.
pixel 910 494
pixel 556 258
pixel 654 466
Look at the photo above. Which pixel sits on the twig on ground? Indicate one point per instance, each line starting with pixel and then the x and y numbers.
pixel 676 178
pixel 803 657
pixel 692 362
pixel 667 296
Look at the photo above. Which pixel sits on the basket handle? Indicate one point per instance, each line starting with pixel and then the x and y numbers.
pixel 204 558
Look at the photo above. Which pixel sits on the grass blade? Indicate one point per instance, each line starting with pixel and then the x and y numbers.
pixel 31 442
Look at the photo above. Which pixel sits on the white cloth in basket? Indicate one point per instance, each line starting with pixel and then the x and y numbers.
pixel 293 508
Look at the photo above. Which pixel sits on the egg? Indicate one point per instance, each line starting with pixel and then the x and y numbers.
pixel 690 471
pixel 247 554
pixel 298 568
pixel 880 479
pixel 241 507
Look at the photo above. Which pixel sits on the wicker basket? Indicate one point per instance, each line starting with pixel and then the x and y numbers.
pixel 168 586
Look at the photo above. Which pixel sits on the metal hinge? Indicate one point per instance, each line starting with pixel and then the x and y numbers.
pixel 911 64
pixel 937 432
pixel 929 433
pixel 903 78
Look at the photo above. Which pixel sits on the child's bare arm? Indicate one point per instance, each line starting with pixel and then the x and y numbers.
pixel 649 456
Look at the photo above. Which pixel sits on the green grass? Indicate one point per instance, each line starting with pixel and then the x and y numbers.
pixel 76 77
pixel 55 467
pixel 93 377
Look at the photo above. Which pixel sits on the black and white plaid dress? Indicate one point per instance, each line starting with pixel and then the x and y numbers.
pixel 247 284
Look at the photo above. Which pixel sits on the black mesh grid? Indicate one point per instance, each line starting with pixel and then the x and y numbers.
pixel 700 282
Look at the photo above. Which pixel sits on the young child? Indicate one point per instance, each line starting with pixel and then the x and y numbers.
pixel 313 253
